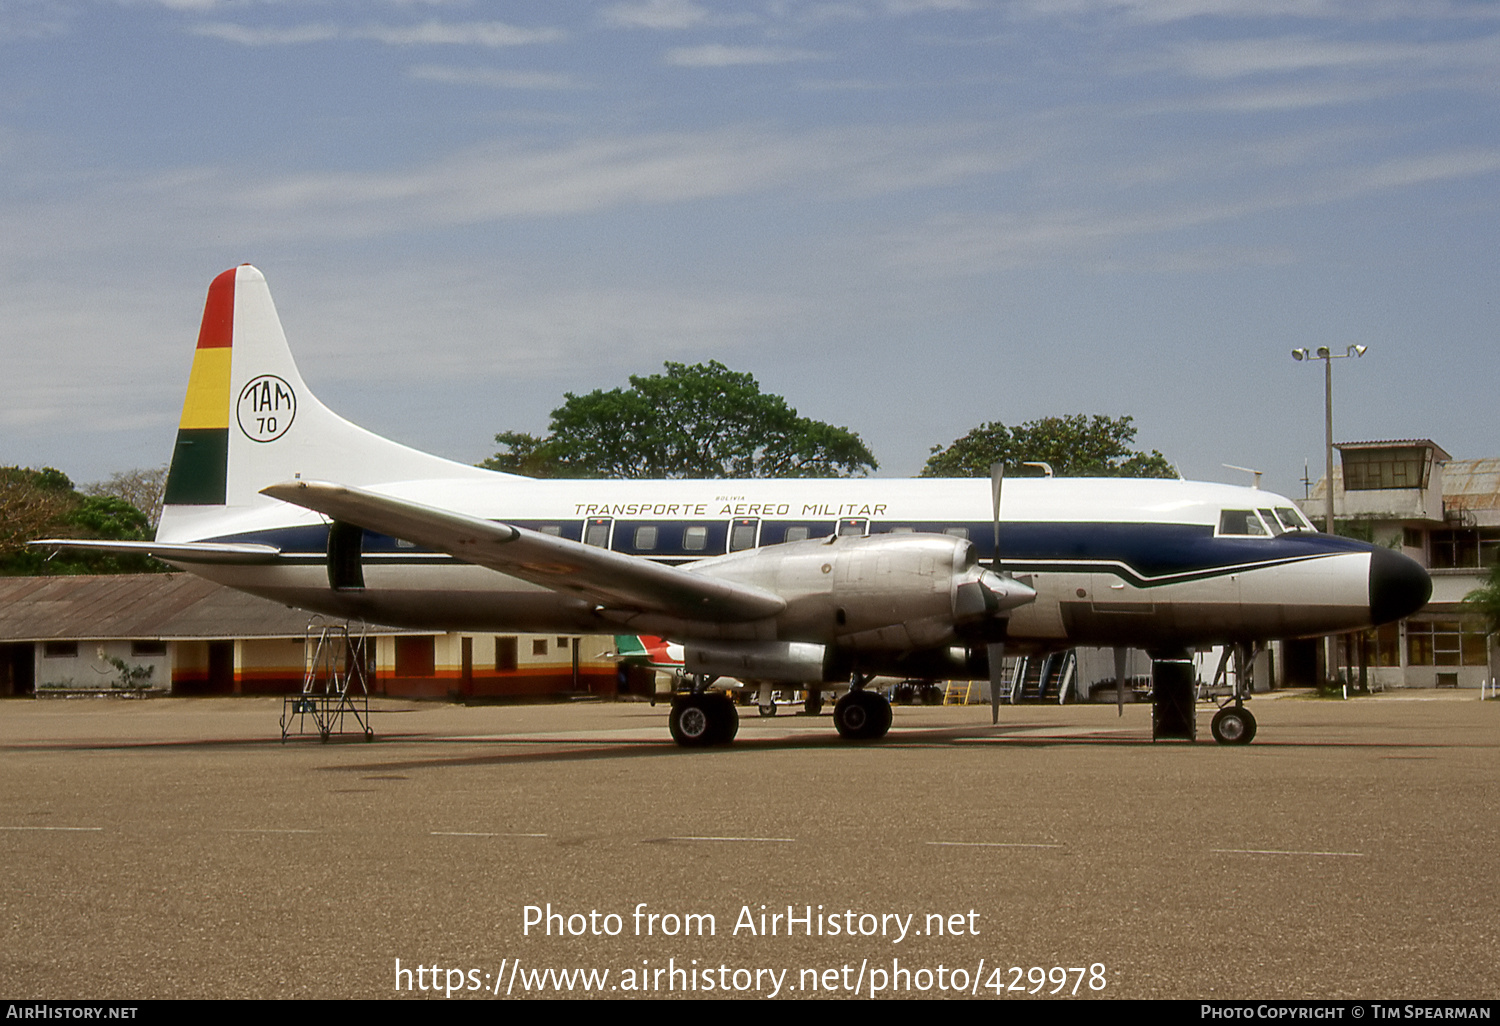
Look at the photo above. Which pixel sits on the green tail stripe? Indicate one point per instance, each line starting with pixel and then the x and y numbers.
pixel 200 468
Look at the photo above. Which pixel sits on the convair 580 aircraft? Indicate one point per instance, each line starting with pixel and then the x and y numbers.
pixel 776 581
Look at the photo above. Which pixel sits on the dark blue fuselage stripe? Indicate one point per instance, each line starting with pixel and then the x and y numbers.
pixel 1146 555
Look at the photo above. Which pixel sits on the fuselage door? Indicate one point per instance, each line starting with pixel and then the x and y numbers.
pixel 743 534
pixel 596 531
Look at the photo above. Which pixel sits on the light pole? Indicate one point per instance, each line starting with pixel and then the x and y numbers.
pixel 1323 353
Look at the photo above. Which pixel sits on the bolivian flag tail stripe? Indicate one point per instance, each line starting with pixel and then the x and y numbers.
pixel 200 461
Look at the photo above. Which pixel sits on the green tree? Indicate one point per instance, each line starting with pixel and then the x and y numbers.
pixel 44 504
pixel 1074 446
pixel 700 421
pixel 142 487
pixel 1485 600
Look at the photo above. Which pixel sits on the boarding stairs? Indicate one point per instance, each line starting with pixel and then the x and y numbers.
pixel 334 682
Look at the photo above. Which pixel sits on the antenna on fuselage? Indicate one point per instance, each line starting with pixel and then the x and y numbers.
pixel 1248 470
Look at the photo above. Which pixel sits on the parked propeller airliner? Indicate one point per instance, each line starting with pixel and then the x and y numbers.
pixel 796 581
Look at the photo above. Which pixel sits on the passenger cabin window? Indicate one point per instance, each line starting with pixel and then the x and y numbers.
pixel 957 532
pixel 695 539
pixel 853 528
pixel 596 533
pixel 1241 522
pixel 796 534
pixel 742 535
pixel 645 538
pixel 555 530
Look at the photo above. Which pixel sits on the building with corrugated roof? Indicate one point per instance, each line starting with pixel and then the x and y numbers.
pixel 1410 494
pixel 185 635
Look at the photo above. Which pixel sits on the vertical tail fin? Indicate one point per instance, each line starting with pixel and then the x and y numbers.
pixel 249 420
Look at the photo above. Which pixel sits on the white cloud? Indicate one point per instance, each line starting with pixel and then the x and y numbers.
pixel 657 14
pixel 429 33
pixel 719 55
pixel 244 35
pixel 1293 54
pixel 493 78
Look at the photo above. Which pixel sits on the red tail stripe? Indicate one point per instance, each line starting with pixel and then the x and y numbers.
pixel 218 313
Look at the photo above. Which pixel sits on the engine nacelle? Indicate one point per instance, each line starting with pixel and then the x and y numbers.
pixel 887 592
pixel 758 660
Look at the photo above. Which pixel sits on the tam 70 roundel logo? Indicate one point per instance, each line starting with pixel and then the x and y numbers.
pixel 265 408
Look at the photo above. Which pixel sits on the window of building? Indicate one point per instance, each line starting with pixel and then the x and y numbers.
pixel 141 649
pixel 60 649
pixel 539 646
pixel 1445 642
pixel 505 655
pixel 1369 469
pixel 1465 547
pixel 1382 647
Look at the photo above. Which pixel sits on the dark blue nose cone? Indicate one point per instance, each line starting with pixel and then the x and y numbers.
pixel 1398 586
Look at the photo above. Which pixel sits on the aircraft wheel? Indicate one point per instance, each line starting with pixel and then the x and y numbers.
pixel 692 721
pixel 768 709
pixel 862 716
pixel 813 704
pixel 1233 726
pixel 726 722
pixel 698 721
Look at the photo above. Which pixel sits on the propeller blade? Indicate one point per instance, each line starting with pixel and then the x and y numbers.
pixel 997 481
pixel 996 653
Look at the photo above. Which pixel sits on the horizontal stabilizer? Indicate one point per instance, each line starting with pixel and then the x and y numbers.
pixel 609 579
pixel 173 552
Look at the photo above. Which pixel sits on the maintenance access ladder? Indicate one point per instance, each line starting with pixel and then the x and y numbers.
pixel 1048 678
pixel 333 682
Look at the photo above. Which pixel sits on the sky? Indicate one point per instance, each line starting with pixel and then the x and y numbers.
pixel 908 217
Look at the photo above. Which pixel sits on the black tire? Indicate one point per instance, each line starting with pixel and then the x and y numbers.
pixel 1233 725
pixel 813 704
pixel 862 716
pixel 692 720
pixel 768 709
pixel 726 719
pixel 698 721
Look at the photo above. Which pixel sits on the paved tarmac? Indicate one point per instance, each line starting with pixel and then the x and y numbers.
pixel 177 848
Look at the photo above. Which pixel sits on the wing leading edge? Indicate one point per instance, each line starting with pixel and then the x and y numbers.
pixel 609 579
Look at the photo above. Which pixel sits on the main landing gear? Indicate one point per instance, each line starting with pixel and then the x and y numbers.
pixel 861 715
pixel 701 717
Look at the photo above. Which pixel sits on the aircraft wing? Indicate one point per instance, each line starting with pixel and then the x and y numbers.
pixel 610 579
pixel 176 552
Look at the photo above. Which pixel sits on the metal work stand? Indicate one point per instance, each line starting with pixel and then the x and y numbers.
pixel 333 683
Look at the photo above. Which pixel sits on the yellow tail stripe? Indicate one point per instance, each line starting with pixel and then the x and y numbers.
pixel 207 403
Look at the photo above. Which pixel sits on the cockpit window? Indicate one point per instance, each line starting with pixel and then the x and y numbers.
pixel 1292 520
pixel 1269 519
pixel 1241 522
